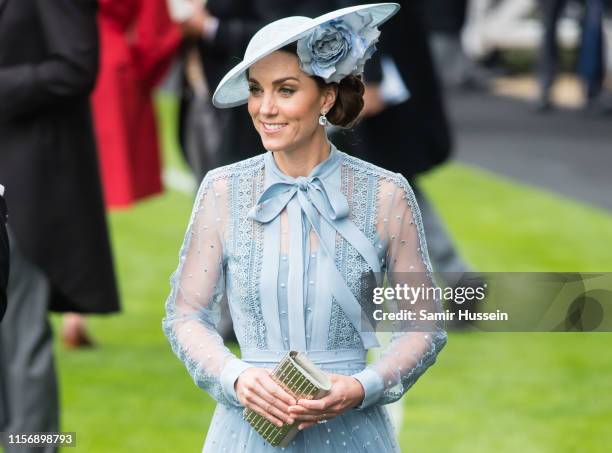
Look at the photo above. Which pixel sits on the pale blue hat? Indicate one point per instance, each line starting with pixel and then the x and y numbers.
pixel 331 46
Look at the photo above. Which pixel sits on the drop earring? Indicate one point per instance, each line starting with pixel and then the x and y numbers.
pixel 323 120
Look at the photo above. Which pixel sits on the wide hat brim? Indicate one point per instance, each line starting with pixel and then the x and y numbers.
pixel 233 90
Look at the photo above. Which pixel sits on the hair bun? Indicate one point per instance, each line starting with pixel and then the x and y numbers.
pixel 349 102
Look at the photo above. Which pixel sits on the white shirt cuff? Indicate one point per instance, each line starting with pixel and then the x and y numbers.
pixel 373 386
pixel 228 378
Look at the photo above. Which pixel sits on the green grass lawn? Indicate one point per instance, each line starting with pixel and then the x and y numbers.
pixel 488 392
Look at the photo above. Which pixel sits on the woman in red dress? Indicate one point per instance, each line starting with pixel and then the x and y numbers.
pixel 137 43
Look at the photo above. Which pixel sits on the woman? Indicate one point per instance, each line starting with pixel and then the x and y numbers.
pixel 138 42
pixel 295 237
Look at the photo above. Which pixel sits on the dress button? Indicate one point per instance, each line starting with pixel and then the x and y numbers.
pixel 282 285
pixel 311 282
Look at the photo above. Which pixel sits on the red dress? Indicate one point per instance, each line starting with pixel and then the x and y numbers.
pixel 137 44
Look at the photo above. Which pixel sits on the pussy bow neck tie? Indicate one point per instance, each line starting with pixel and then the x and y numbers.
pixel 326 209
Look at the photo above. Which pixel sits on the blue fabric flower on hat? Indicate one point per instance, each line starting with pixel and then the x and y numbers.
pixel 338 48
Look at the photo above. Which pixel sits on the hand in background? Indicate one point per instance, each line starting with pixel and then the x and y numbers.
pixel 193 27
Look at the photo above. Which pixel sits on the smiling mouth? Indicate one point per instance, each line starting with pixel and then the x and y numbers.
pixel 273 127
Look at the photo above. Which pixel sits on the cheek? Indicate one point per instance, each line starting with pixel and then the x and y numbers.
pixel 304 113
pixel 253 107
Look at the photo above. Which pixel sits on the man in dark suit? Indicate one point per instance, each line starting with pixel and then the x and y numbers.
pixel 60 253
pixel 413 131
pixel 222 31
pixel 4 254
pixel 591 61
pixel 405 128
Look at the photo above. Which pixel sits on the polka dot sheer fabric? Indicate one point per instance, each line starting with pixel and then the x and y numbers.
pixel 295 258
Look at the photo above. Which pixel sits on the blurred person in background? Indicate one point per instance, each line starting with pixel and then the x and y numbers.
pixel 218 32
pixel 137 44
pixel 4 256
pixel 591 61
pixel 404 115
pixel 60 252
pixel 444 20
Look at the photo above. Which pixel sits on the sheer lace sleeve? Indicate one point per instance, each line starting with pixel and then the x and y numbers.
pixel 198 285
pixel 414 345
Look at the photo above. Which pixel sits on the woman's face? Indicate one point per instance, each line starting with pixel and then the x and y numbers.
pixel 285 103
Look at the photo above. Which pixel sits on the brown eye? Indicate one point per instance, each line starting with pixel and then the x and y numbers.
pixel 254 89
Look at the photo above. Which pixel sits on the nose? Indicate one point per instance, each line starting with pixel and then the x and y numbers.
pixel 268 105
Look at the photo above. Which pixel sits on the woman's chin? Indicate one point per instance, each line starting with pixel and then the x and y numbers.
pixel 273 145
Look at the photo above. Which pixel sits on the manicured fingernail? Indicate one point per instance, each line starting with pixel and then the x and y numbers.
pixel 291 421
pixel 279 424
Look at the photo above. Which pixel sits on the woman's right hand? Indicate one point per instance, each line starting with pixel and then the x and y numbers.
pixel 258 391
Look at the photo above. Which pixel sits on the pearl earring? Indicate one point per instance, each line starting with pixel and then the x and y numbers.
pixel 323 120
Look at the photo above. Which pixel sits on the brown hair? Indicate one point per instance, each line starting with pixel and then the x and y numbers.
pixel 349 99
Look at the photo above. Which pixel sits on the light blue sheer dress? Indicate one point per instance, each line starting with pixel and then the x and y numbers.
pixel 293 256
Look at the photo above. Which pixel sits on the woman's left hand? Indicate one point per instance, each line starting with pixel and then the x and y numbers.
pixel 346 393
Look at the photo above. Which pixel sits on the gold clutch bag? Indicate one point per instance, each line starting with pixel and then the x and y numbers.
pixel 302 379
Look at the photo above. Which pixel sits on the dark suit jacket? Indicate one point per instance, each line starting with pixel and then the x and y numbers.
pixel 238 22
pixel 48 162
pixel 415 136
pixel 4 257
pixel 445 16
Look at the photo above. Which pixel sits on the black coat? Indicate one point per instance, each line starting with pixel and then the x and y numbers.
pixel 445 16
pixel 4 257
pixel 48 163
pixel 238 22
pixel 414 136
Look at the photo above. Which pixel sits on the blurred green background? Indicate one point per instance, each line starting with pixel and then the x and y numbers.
pixel 538 392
